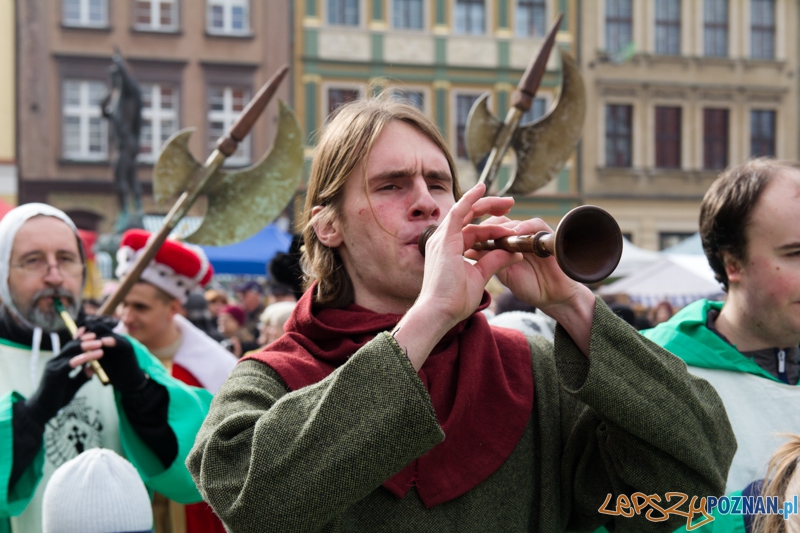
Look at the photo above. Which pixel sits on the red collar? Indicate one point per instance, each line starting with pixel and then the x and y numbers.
pixel 483 400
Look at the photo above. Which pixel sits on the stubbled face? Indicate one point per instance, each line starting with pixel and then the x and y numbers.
pixel 50 240
pixel 410 187
pixel 147 317
pixel 765 286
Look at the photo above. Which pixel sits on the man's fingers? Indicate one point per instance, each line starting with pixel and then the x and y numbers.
pixel 477 233
pixel 109 341
pixel 87 336
pixel 463 208
pixel 532 227
pixel 85 357
pixel 490 205
pixel 496 260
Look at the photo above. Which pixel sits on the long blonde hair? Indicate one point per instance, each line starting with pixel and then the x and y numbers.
pixel 783 481
pixel 347 140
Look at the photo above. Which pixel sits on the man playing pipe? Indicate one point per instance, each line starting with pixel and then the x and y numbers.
pixel 50 408
pixel 390 404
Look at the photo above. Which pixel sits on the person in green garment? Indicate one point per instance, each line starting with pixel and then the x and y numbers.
pixel 390 404
pixel 51 409
pixel 747 346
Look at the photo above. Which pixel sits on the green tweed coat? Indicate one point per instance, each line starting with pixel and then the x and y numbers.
pixel 628 419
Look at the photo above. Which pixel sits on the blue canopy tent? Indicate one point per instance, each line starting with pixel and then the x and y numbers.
pixel 251 256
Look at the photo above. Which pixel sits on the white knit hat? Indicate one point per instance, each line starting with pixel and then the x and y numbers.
pixel 96 492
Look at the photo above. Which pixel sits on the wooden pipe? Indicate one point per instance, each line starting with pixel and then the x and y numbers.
pixel 73 329
pixel 587 244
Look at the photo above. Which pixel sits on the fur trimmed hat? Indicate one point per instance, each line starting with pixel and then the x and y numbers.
pixel 176 269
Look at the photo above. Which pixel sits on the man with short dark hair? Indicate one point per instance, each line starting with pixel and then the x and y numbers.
pixel 390 404
pixel 747 347
pixel 151 311
pixel 50 409
pixel 151 315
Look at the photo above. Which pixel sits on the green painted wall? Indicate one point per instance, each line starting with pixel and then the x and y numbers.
pixel 377 10
pixel 441 10
pixel 311 8
pixel 503 54
pixel 563 180
pixel 440 99
pixel 377 50
pixel 311 42
pixel 440 51
pixel 311 111
pixel 502 14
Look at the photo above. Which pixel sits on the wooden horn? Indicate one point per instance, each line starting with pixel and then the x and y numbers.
pixel 587 244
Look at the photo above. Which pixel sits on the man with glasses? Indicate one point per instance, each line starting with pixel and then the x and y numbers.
pixel 50 408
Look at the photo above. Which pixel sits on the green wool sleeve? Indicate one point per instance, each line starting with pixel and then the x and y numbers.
pixel 14 501
pixel 187 408
pixel 271 460
pixel 634 420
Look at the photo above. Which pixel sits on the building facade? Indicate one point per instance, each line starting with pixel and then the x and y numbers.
pixel 8 167
pixel 197 63
pixel 439 55
pixel 678 90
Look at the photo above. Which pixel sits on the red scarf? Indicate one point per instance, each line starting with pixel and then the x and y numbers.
pixel 479 379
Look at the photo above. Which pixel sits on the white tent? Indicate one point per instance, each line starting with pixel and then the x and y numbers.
pixel 689 246
pixel 633 259
pixel 676 278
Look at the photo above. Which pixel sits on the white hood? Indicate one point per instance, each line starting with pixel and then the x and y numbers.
pixel 9 227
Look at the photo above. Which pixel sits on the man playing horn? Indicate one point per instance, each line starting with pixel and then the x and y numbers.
pixel 390 404
pixel 50 409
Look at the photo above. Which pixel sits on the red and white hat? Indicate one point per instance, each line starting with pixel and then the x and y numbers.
pixel 176 269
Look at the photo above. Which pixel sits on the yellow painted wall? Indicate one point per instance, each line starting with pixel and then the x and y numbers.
pixel 7 80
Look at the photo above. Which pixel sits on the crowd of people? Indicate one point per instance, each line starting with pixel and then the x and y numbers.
pixel 392 391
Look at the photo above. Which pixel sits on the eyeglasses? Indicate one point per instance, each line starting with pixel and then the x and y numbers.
pixel 40 266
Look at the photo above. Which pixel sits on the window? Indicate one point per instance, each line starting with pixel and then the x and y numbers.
pixel 762 29
pixel 159 118
pixel 668 27
pixel 715 139
pixel 619 137
pixel 463 105
pixel 535 112
pixel 224 106
pixel 407 14
pixel 470 17
pixel 228 17
pixel 89 13
pixel 339 97
pixel 158 15
pixel 668 137
pixel 530 18
pixel 415 98
pixel 619 21
pixel 715 28
pixel 84 129
pixel 343 12
pixel 762 133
